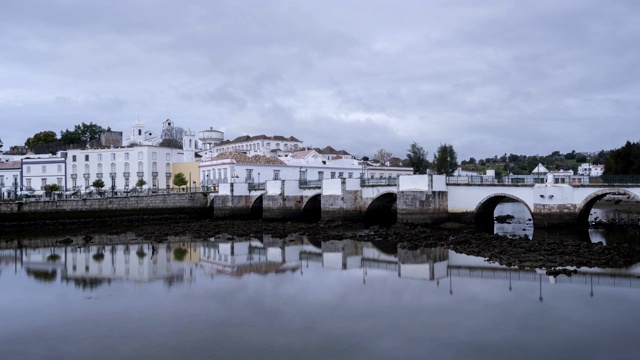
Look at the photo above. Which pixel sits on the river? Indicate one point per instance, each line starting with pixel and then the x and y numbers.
pixel 301 299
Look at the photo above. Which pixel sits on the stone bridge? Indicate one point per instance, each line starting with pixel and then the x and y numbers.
pixel 426 199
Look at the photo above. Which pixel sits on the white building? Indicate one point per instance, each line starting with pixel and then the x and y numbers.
pixel 123 167
pixel 303 165
pixel 9 178
pixel 270 146
pixel 39 172
pixel 591 169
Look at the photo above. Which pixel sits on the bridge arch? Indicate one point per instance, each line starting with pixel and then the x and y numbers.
pixel 256 208
pixel 382 209
pixel 485 209
pixel 312 208
pixel 584 208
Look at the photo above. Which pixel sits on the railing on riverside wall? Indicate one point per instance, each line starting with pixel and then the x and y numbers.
pixel 388 181
pixel 94 194
pixel 256 186
pixel 619 179
pixel 309 183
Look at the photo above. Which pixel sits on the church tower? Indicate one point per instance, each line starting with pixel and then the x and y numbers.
pixel 137 132
pixel 189 146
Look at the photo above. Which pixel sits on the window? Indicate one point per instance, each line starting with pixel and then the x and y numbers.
pixel 113 168
pixel 99 168
pixel 28 183
pixel 320 175
pixel 333 174
pixel 350 175
pixel 140 167
pixel 276 174
pixel 341 174
pixel 113 157
pixel 140 155
pixel 59 169
pixel 86 169
pixel 154 167
pixel 59 182
pixel 73 158
pixel 126 156
pixel 168 156
pixel 154 156
pixel 28 169
pixel 126 167
pixel 99 157
pixel 86 157
pixel 44 183
pixel 44 169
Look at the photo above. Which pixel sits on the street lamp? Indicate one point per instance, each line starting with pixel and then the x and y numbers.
pixel 189 181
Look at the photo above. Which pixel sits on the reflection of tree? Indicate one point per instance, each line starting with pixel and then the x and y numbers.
pixel 180 253
pixel 98 257
pixel 140 252
pixel 53 258
pixel 88 283
pixel 43 275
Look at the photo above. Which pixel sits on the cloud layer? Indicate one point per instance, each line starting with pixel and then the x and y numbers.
pixel 490 78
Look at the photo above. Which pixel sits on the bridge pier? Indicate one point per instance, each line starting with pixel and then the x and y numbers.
pixel 233 200
pixel 555 215
pixel 283 200
pixel 422 199
pixel 342 202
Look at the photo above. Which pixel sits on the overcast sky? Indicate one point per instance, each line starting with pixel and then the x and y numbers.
pixel 488 77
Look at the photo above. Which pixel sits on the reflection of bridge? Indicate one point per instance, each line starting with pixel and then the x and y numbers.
pixel 434 264
pixel 426 199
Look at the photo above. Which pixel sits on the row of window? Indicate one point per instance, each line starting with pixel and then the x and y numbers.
pixel 154 156
pixel 154 167
pixel 44 169
pixel 255 147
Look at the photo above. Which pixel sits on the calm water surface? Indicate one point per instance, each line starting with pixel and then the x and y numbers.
pixel 301 299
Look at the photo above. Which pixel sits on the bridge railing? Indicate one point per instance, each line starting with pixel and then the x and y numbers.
pixel 379 181
pixel 304 183
pixel 617 179
pixel 256 186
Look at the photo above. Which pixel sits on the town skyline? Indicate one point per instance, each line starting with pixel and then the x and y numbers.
pixel 528 78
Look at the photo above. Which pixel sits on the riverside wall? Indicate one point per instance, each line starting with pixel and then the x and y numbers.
pixel 184 203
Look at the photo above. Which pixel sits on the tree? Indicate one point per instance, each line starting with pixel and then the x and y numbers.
pixel 82 133
pixel 623 161
pixel 172 137
pixel 383 156
pixel 446 160
pixel 51 188
pixel 140 183
pixel 179 180
pixel 43 137
pixel 98 184
pixel 417 159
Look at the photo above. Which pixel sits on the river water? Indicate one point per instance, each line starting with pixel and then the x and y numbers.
pixel 301 299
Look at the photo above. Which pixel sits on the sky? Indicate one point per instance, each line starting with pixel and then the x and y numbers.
pixel 488 77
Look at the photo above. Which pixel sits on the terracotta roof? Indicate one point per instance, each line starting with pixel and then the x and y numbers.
pixel 10 165
pixel 246 138
pixel 242 158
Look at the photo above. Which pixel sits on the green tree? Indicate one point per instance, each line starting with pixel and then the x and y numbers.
pixel 417 158
pixel 140 183
pixel 179 180
pixel 98 184
pixel 623 161
pixel 82 133
pixel 446 160
pixel 49 189
pixel 41 138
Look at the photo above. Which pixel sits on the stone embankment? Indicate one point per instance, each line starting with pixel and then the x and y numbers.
pixel 102 207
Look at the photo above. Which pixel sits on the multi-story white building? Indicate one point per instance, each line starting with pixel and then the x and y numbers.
pixel 303 165
pixel 9 178
pixel 121 168
pixel 40 172
pixel 270 146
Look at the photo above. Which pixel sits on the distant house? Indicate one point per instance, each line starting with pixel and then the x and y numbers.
pixel 587 169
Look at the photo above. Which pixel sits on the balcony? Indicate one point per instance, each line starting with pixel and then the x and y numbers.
pixel 87 175
pixel 112 175
pixel 256 186
pixel 74 176
pixel 168 174
pixel 309 183
pixel 126 174
pixel 154 174
pixel 98 175
pixel 140 174
pixel 388 181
